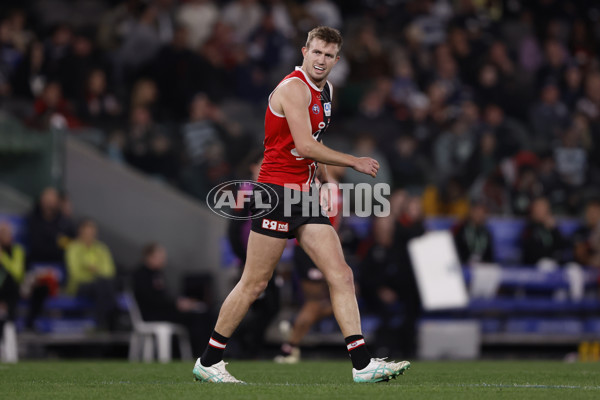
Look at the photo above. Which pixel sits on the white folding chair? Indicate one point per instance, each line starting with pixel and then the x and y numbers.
pixel 9 351
pixel 146 334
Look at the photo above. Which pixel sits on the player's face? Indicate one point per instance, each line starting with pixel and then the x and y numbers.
pixel 319 59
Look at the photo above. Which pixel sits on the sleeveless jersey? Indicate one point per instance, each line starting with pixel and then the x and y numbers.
pixel 282 163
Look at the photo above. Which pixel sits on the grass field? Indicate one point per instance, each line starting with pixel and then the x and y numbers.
pixel 308 380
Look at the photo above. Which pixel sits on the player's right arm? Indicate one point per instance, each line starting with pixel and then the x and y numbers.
pixel 292 100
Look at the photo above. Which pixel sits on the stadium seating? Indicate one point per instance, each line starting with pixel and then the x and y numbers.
pixel 532 306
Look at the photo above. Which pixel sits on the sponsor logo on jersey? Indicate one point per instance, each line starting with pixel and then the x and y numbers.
pixel 273 225
pixel 316 109
pixel 327 109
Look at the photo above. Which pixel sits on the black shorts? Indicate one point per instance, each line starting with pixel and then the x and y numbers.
pixel 305 267
pixel 276 224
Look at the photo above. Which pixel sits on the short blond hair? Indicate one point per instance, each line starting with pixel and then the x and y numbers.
pixel 326 34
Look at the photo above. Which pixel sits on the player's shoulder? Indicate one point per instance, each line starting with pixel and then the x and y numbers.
pixel 293 88
pixel 293 83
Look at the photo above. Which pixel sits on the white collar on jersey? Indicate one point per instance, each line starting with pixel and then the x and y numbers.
pixel 312 85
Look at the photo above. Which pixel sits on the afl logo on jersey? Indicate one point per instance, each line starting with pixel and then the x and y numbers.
pixel 327 109
pixel 316 109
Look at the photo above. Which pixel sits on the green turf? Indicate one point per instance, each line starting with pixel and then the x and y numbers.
pixel 308 380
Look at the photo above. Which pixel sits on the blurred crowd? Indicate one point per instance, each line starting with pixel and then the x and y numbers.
pixel 494 100
pixel 55 255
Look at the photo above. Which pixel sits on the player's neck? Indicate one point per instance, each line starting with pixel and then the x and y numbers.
pixel 320 84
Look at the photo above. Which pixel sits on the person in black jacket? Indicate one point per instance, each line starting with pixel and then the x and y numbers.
pixel 156 304
pixel 541 239
pixel 49 231
pixel 387 280
pixel 473 239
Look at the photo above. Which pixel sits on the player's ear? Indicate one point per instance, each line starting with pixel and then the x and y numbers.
pixel 337 58
pixel 304 51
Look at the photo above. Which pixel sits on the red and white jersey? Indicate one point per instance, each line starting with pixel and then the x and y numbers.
pixel 282 164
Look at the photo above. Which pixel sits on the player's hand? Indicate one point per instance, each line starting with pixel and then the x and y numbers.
pixel 367 165
pixel 326 196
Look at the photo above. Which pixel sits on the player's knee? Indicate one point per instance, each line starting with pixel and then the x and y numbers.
pixel 342 277
pixel 255 288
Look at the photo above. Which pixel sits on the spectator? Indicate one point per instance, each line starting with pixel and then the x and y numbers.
pixel 32 73
pixel 375 117
pixel 155 303
pixel 142 129
pixel 175 72
pixel 74 69
pixel 482 161
pixel 139 47
pixel 572 90
pixel 21 36
pixel 282 18
pixel 199 18
pixel 244 16
pixel 581 43
pixel 489 86
pixel 364 146
pixel 571 160
pixel 548 117
pixel 324 12
pixel 409 168
pixel 510 135
pixel 99 107
pixel 446 73
pixel 541 240
pixel 473 239
pixel 91 273
pixel 410 223
pixel 145 94
pixel 202 137
pixel 165 19
pixel 422 125
pixel 52 110
pixel 464 54
pixel 387 280
pixel 587 237
pixel 555 65
pixel 163 161
pixel 57 47
pixel 10 56
pixel 551 186
pixel 250 77
pixel 266 44
pixel 376 271
pixel 526 188
pixel 115 146
pixel 115 24
pixel 449 198
pixel 12 271
pixel 49 232
pixel 453 149
pixel 368 59
pixel 404 87
pixel 590 104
